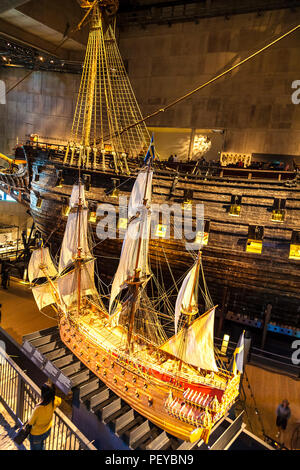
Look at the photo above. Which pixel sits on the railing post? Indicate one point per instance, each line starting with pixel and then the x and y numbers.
pixel 20 398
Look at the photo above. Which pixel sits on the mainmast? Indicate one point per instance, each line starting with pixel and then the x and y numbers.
pixel 106 102
pixel 137 282
pixel 79 257
pixel 133 267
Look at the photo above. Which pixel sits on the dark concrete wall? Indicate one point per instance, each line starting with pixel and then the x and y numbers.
pixel 253 104
pixel 43 103
pixel 12 213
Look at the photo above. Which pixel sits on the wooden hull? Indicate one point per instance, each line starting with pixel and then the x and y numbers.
pixel 145 391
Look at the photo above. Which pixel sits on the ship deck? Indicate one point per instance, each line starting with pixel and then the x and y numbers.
pixel 114 339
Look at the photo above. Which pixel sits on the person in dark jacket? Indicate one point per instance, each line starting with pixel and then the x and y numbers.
pixel 4 276
pixel 283 413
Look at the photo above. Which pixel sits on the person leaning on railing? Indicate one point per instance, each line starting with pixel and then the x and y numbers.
pixel 42 416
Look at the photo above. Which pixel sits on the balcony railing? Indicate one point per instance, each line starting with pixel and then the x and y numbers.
pixel 19 395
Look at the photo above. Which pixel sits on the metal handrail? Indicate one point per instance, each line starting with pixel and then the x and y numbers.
pixel 19 394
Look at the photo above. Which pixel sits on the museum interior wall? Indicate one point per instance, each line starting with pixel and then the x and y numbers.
pixel 253 105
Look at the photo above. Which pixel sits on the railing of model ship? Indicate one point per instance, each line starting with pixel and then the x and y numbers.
pixel 19 395
pixel 119 164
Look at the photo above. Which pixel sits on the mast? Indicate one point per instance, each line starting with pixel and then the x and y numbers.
pixel 78 260
pixel 189 312
pixel 105 101
pixel 136 283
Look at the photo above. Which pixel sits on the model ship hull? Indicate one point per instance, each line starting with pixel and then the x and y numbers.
pixel 146 389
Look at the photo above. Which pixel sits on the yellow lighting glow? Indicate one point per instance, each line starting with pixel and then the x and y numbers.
pixel 278 215
pixel 235 210
pixel 122 223
pixel 160 230
pixel 92 217
pixel 65 210
pixel 294 252
pixel 202 238
pixel 225 344
pixel 254 246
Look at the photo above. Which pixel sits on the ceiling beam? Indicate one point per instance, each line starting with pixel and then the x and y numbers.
pixel 6 5
pixel 62 17
pixel 24 37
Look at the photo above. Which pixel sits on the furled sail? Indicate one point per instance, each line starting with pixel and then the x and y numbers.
pixel 76 231
pixel 187 299
pixel 68 283
pixel 195 344
pixel 134 254
pixel 41 265
pixel 144 180
pixel 43 295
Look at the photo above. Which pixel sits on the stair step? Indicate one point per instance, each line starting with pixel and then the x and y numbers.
pixel 161 441
pixel 108 410
pixel 51 346
pixel 98 409
pixel 56 354
pixel 79 377
pixel 89 386
pixel 44 340
pixel 123 420
pixel 63 361
pixel 72 368
pixel 95 398
pixel 137 432
pixel 130 426
pixel 112 418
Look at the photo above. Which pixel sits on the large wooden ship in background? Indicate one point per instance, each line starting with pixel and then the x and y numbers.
pixel 251 231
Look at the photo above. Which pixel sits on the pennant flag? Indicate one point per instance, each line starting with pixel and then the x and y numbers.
pixel 238 356
pixel 150 151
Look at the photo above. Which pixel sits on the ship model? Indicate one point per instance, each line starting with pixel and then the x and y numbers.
pixel 251 233
pixel 175 381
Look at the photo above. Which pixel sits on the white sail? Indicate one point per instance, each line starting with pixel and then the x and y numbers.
pixel 195 345
pixel 187 298
pixel 132 245
pixel 77 191
pixel 41 264
pixel 43 295
pixel 68 283
pixel 138 192
pixel 76 231
pixel 134 254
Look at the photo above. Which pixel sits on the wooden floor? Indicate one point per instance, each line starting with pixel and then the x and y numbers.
pixel 20 314
pixel 269 389
pixel 8 432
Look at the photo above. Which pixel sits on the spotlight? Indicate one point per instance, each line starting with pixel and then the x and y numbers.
pixel 4 58
pixel 41 58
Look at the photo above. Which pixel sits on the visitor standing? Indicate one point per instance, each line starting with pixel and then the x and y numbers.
pixel 42 416
pixel 283 414
pixel 4 276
